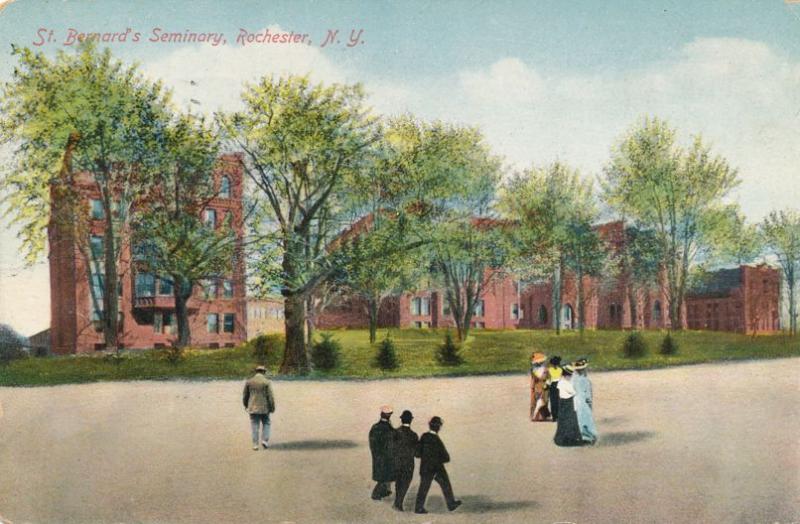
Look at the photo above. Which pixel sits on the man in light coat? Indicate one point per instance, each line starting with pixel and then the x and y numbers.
pixel 259 402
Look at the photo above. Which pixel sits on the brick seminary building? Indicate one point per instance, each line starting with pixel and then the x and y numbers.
pixel 217 313
pixel 733 300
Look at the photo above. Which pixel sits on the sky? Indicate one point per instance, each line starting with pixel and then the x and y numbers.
pixel 544 80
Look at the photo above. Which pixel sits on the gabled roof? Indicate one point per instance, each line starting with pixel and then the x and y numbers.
pixel 717 284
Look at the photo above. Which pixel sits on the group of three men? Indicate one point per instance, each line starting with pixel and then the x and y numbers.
pixel 393 452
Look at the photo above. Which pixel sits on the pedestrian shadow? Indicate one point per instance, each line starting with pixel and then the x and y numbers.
pixel 610 421
pixel 478 504
pixel 621 438
pixel 314 445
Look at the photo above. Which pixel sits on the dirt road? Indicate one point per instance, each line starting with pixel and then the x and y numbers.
pixel 709 443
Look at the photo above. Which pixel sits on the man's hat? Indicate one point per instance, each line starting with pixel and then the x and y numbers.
pixel 262 369
pixel 581 363
pixel 538 358
pixel 436 421
pixel 386 410
pixel 406 417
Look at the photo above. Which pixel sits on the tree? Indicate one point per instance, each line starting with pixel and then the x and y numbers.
pixel 738 242
pixel 585 256
pixel 302 143
pixel 555 209
pixel 171 239
pixel 781 230
pixel 678 193
pixel 81 121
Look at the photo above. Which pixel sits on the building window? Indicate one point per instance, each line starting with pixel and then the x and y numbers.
pixel 480 307
pixel 418 324
pixel 165 287
pixel 158 322
pixel 169 322
pixel 657 310
pixel 515 311
pixel 97 209
pixel 416 306
pixel 210 217
pixel 426 306
pixel 229 321
pixel 210 289
pixel 96 248
pixel 145 285
pixel 227 289
pixel 542 314
pixel 225 187
pixel 445 307
pixel 212 322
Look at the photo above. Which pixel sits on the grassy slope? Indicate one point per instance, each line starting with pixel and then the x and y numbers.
pixel 485 352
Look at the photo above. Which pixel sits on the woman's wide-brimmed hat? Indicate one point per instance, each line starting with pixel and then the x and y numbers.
pixel 538 358
pixel 568 369
pixel 579 364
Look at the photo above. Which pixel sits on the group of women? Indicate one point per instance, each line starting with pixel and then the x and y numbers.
pixel 563 394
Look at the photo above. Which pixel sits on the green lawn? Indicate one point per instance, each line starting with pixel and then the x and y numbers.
pixel 485 352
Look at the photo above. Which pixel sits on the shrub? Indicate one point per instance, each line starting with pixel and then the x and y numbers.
pixel 386 358
pixel 325 353
pixel 634 345
pixel 173 354
pixel 267 349
pixel 448 353
pixel 668 345
pixel 12 344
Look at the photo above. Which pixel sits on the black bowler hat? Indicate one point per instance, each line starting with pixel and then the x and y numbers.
pixel 406 417
pixel 436 421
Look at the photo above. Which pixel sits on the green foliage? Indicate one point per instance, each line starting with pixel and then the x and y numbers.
pixel 267 349
pixel 386 359
pixel 668 345
pixel 325 353
pixel 11 345
pixel 634 345
pixel 781 230
pixel 448 353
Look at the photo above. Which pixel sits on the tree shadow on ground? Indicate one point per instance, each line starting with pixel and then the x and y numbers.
pixel 306 445
pixel 621 438
pixel 477 504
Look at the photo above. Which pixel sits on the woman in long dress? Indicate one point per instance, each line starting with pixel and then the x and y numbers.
pixel 539 409
pixel 583 401
pixel 567 432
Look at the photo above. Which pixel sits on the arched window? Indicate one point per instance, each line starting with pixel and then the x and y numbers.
pixel 225 187
pixel 657 310
pixel 566 316
pixel 542 314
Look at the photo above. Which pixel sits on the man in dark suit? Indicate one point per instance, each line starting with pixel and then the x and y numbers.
pixel 434 456
pixel 381 440
pixel 405 448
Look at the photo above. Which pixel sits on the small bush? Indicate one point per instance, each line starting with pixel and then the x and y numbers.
pixel 634 345
pixel 448 353
pixel 386 359
pixel 325 353
pixel 173 354
pixel 267 349
pixel 668 346
pixel 9 352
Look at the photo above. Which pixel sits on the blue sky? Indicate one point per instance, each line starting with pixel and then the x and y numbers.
pixel 543 80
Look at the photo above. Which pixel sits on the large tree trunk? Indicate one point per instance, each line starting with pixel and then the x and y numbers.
pixel 633 307
pixel 182 290
pixel 790 284
pixel 372 310
pixel 556 297
pixel 580 302
pixel 295 359
pixel 310 319
pixel 111 287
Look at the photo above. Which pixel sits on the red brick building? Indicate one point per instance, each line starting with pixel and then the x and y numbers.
pixel 508 304
pixel 217 312
pixel 745 299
